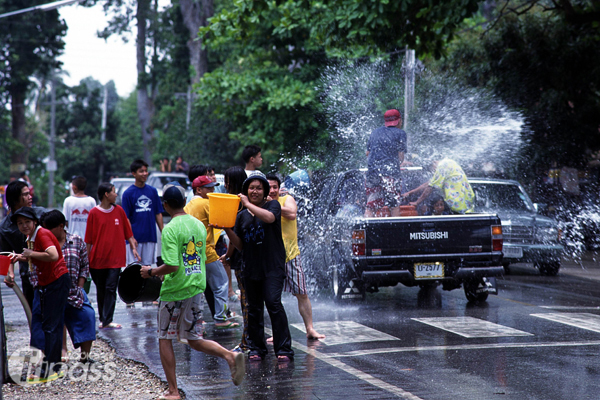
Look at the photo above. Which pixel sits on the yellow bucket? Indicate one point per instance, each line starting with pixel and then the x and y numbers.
pixel 223 209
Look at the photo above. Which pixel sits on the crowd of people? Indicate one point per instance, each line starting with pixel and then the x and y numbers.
pixel 59 253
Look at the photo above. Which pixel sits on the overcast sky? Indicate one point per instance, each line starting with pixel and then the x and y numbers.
pixel 87 55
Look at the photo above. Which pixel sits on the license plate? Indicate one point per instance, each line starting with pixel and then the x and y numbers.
pixel 512 252
pixel 429 270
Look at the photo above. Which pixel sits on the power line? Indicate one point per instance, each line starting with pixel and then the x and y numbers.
pixel 43 7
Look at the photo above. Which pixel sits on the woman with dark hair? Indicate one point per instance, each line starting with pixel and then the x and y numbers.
pixel 107 230
pixel 257 233
pixel 52 288
pixel 80 318
pixel 234 180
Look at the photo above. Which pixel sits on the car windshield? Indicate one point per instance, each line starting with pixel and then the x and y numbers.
pixel 500 197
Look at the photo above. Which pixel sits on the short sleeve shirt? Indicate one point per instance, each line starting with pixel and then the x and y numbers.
pixel 107 231
pixel 76 211
pixel 452 181
pixel 199 209
pixel 263 250
pixel 184 245
pixel 47 272
pixel 142 205
pixel 383 146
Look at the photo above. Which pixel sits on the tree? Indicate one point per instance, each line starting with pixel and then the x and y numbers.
pixel 146 18
pixel 195 15
pixel 546 65
pixel 29 43
pixel 268 87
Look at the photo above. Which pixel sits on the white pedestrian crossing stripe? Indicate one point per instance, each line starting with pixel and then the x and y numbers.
pixel 590 322
pixel 343 332
pixel 470 327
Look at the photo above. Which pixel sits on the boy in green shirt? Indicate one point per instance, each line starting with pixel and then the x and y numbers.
pixel 180 309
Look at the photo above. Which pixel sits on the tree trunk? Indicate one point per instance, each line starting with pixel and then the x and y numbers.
pixel 145 101
pixel 195 15
pixel 19 128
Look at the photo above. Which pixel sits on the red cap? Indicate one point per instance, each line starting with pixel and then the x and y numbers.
pixel 203 181
pixel 392 117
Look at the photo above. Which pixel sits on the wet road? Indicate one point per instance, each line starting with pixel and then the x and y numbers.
pixel 538 339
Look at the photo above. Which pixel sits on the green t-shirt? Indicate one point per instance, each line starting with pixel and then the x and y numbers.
pixel 184 244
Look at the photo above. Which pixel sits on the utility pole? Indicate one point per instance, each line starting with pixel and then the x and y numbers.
pixel 103 132
pixel 409 84
pixel 51 165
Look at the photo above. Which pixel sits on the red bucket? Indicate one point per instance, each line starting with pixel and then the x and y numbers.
pixel 4 264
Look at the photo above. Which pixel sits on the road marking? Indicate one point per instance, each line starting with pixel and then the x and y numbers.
pixel 470 327
pixel 570 308
pixel 590 322
pixel 351 370
pixel 344 332
pixel 488 346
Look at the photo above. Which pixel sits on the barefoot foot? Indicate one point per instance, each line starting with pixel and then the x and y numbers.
pixel 311 334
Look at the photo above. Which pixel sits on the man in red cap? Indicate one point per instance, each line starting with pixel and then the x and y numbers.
pixel 385 152
pixel 216 277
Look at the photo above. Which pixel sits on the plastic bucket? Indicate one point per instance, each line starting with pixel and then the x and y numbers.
pixel 133 288
pixel 4 264
pixel 408 211
pixel 223 209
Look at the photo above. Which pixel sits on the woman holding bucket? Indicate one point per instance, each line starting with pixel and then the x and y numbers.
pixel 257 233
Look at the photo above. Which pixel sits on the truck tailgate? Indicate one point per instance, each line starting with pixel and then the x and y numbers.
pixel 446 235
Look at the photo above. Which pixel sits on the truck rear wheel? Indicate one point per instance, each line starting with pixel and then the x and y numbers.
pixel 471 292
pixel 344 287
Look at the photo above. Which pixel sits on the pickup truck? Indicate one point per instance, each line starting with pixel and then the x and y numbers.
pixel 362 254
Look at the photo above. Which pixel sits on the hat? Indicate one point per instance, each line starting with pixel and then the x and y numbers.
pixel 392 117
pixel 203 181
pixel 253 176
pixel 26 212
pixel 174 191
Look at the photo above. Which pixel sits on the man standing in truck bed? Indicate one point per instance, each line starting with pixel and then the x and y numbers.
pixel 385 152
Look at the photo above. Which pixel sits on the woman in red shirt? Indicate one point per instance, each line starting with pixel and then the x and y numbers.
pixel 44 251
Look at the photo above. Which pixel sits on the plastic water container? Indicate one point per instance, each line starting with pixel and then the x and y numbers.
pixel 408 211
pixel 223 209
pixel 133 288
pixel 4 264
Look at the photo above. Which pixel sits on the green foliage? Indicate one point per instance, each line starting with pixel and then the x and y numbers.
pixel 30 43
pixel 79 148
pixel 550 70
pixel 346 28
pixel 268 86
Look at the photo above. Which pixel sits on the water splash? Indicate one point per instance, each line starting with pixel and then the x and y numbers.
pixel 468 125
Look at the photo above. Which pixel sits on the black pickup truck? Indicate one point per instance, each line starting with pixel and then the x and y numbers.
pixel 362 254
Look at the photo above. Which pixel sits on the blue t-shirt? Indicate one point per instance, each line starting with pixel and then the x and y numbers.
pixel 141 206
pixel 383 146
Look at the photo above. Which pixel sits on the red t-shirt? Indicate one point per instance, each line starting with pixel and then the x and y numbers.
pixel 48 272
pixel 106 231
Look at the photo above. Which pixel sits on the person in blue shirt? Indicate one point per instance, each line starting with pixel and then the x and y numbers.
pixel 385 152
pixel 144 210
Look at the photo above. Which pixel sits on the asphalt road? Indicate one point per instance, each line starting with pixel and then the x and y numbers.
pixel 538 339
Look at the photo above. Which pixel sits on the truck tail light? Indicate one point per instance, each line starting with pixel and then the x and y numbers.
pixel 358 242
pixel 497 238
